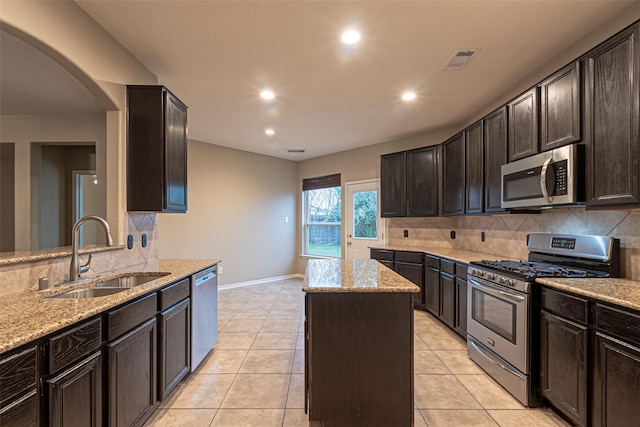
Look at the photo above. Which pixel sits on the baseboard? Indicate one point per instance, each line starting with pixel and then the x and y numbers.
pixel 259 281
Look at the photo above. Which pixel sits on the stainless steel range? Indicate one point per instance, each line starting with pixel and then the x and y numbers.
pixel 501 325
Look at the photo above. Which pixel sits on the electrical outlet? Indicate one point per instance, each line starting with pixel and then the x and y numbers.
pixel 144 240
pixel 286 219
pixel 406 233
pixel 482 236
pixel 220 269
pixel 453 234
pixel 130 241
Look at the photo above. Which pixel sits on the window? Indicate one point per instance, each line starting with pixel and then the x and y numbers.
pixel 322 215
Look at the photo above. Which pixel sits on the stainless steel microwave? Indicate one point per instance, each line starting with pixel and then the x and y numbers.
pixel 554 177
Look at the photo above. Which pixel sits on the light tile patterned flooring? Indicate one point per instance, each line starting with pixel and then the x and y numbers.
pixel 255 375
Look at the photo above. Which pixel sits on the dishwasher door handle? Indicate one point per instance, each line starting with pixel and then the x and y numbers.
pixel 205 278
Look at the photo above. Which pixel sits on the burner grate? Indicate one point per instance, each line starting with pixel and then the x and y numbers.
pixel 531 269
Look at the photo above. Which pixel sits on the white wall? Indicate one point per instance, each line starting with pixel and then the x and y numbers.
pixel 237 204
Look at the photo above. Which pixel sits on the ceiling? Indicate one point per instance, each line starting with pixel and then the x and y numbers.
pixel 216 56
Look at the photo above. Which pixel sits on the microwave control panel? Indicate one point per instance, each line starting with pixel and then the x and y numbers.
pixel 560 169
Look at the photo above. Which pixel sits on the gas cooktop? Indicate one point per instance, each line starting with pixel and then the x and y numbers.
pixel 533 269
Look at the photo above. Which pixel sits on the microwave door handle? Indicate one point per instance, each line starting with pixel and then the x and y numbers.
pixel 543 180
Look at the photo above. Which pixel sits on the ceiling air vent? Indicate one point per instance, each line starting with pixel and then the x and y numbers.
pixel 460 59
pixel 295 150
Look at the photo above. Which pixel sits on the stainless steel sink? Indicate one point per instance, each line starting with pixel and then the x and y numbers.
pixel 89 293
pixel 130 280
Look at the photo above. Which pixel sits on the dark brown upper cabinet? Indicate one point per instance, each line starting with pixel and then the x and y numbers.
pixel 156 150
pixel 423 181
pixel 560 103
pixel 495 155
pixel 393 185
pixel 523 125
pixel 474 176
pixel 612 72
pixel 453 175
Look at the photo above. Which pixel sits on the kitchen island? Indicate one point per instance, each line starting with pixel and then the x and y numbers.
pixel 359 344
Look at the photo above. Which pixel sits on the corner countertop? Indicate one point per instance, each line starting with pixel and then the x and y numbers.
pixel 360 275
pixel 28 315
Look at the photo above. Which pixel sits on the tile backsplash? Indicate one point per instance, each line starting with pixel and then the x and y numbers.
pixel 505 235
pixel 22 276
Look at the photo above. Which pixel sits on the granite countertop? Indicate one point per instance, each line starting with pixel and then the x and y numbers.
pixel 458 255
pixel 621 292
pixel 29 315
pixel 360 275
pixel 9 258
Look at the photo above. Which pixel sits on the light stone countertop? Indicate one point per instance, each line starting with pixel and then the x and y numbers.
pixel 28 315
pixel 9 258
pixel 360 275
pixel 621 292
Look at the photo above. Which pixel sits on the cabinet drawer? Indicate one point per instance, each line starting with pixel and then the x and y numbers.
pixel 131 315
pixel 414 257
pixel 18 372
pixel 620 323
pixel 461 270
pixel 448 266
pixel 432 261
pixel 382 254
pixel 568 306
pixel 172 294
pixel 73 344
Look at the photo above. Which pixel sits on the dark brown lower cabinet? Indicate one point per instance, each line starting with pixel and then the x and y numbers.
pixel 414 273
pixel 174 355
pixel 460 324
pixel 432 290
pixel 447 298
pixel 75 396
pixel 131 377
pixel 563 366
pixel 21 413
pixel 359 359
pixel 616 384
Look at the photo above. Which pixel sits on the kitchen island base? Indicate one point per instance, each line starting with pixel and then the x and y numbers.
pixel 359 358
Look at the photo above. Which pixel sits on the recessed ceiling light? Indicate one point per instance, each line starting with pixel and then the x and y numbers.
pixel 270 131
pixel 267 94
pixel 408 96
pixel 350 37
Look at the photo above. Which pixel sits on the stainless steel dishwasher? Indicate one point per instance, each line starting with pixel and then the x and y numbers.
pixel 204 314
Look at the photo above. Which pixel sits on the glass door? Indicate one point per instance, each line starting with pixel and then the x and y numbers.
pixel 364 226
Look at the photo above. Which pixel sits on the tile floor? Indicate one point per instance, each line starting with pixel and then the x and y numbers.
pixel 255 374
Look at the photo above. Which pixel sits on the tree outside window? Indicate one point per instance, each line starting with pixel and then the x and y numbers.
pixel 322 221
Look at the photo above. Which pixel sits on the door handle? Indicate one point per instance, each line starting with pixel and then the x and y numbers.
pixel 543 180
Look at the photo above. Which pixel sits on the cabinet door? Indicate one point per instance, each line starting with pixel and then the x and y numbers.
pixel 132 376
pixel 175 345
pixel 175 194
pixel 447 298
pixel 560 103
pixel 495 155
pixel 616 382
pixel 423 181
pixel 393 186
pixel 75 396
pixel 474 175
pixel 563 366
pixel 460 324
pixel 453 171
pixel 523 125
pixel 612 97
pixel 415 274
pixel 432 290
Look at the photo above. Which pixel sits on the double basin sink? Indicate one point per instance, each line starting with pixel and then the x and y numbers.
pixel 111 286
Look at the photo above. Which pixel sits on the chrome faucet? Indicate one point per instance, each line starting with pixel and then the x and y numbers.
pixel 76 269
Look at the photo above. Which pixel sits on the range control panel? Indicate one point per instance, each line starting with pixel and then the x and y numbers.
pixel 563 243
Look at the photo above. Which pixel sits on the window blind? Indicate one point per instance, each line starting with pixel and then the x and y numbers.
pixel 319 182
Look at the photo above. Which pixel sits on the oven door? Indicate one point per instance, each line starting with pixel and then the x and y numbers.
pixel 498 317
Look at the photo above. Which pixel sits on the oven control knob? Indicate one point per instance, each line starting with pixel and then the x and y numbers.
pixel 502 280
pixel 511 282
pixel 480 273
pixel 491 276
pixel 474 272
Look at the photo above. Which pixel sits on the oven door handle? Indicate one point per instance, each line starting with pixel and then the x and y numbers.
pixel 491 289
pixel 496 362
